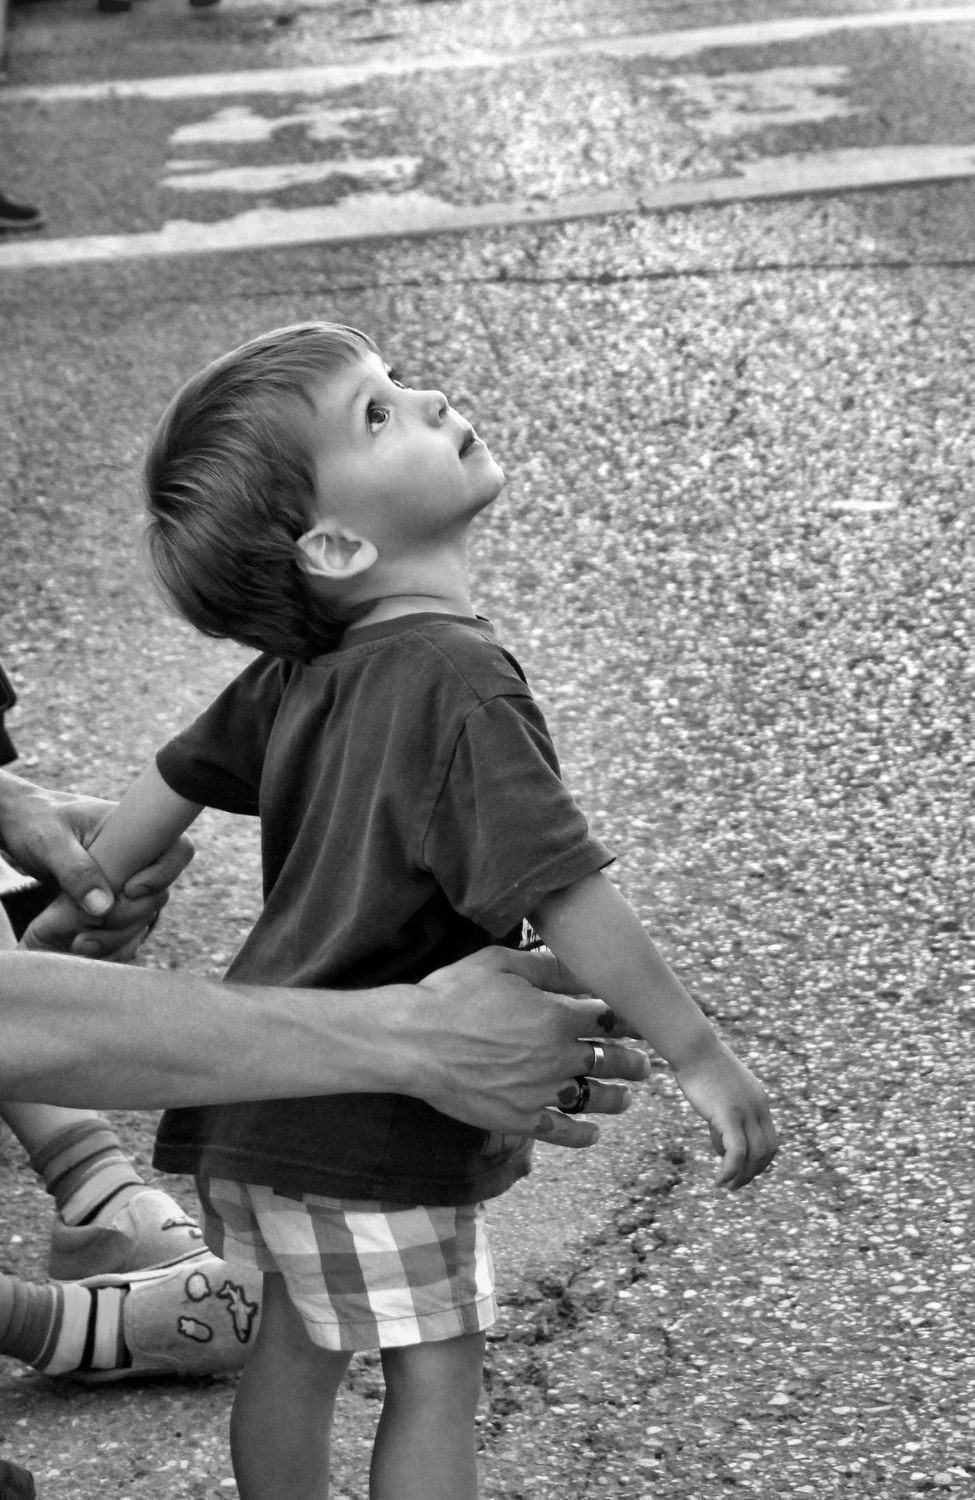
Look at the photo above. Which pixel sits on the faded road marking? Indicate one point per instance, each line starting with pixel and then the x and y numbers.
pixel 731 104
pixel 238 124
pixel 199 177
pixel 378 216
pixel 328 78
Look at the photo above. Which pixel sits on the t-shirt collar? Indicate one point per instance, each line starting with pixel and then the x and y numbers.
pixel 401 624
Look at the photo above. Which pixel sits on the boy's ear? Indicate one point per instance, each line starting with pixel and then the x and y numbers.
pixel 329 550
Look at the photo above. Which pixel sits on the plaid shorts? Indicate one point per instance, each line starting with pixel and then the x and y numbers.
pixel 360 1275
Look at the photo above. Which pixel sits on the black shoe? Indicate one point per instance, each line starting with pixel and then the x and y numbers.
pixel 15 1482
pixel 17 216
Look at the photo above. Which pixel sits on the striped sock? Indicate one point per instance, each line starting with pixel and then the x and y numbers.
pixel 86 1172
pixel 62 1328
pixel 88 1335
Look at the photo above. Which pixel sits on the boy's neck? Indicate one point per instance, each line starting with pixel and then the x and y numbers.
pixel 392 606
pixel 433 583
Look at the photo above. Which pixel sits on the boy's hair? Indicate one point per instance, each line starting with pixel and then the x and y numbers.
pixel 230 486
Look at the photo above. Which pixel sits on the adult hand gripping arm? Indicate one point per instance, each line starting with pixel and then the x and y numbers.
pixel 48 835
pixel 484 1040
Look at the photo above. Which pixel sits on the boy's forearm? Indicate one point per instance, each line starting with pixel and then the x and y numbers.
pixel 147 821
pixel 596 934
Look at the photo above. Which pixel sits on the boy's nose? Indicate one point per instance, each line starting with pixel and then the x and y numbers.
pixel 435 405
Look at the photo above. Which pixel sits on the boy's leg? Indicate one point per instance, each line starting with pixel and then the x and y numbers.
pixel 281 1425
pixel 425 1446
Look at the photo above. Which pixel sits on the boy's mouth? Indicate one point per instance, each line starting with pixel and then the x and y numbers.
pixel 470 440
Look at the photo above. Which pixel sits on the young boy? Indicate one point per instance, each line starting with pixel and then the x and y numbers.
pixel 303 501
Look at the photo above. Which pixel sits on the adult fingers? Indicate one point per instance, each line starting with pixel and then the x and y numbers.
pixel 129 916
pixel 111 946
pixel 605 1059
pixel 557 1129
pixel 542 969
pixel 53 929
pixel 602 1099
pixel 78 875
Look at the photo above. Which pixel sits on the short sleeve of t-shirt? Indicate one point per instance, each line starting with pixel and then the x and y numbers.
pixel 218 760
pixel 505 832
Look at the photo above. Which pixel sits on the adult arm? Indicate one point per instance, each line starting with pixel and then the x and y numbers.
pixel 485 1040
pixel 47 834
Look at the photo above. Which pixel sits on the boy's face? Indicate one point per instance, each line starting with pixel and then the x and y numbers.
pixel 399 466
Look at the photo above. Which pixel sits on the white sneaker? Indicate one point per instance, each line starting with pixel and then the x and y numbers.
pixel 150 1230
pixel 198 1317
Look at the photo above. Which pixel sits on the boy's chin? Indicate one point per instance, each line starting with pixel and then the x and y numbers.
pixel 498 483
pixel 489 496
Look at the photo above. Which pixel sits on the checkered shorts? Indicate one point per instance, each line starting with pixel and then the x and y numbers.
pixel 361 1276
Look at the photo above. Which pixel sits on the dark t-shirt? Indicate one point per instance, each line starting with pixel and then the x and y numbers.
pixel 412 811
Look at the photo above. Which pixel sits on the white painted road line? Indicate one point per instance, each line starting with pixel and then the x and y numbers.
pixel 380 216
pixel 196 177
pixel 331 77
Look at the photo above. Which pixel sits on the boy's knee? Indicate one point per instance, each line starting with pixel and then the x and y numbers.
pixel 450 1370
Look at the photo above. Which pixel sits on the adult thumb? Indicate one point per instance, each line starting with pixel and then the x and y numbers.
pixel 79 877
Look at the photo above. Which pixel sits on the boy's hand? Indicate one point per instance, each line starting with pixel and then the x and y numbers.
pixel 736 1108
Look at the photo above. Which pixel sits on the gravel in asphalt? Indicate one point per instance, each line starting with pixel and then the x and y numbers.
pixel 733 556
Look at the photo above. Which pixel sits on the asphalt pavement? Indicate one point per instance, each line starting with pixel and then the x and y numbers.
pixel 733 555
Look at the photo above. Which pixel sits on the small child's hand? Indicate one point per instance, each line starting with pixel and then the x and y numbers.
pixel 736 1108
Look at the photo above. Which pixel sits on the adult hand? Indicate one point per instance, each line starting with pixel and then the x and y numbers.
pixel 47 834
pixel 500 1037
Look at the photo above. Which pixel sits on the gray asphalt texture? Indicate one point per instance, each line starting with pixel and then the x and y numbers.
pixel 733 555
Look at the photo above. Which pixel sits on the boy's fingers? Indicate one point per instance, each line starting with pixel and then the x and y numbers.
pixel 731 1144
pixel 159 876
pixel 747 1155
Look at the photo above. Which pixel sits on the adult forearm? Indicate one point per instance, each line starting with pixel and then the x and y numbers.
pixel 485 1040
pixel 89 1034
pixel 16 795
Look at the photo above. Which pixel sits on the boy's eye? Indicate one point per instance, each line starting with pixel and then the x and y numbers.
pixel 394 377
pixel 376 415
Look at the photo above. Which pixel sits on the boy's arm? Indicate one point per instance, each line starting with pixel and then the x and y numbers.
pixel 148 819
pixel 599 938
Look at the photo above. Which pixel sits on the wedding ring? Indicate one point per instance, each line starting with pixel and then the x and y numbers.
pixel 598 1057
